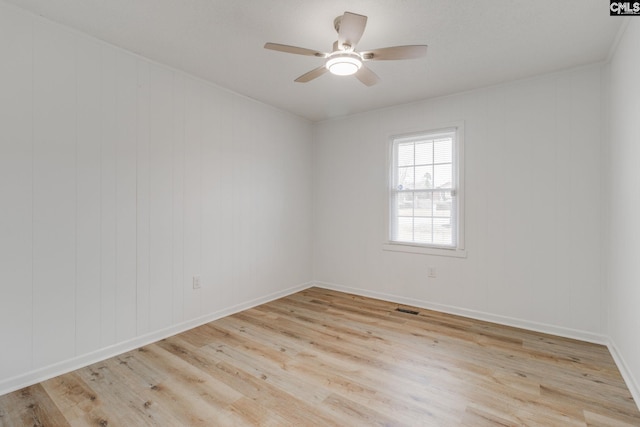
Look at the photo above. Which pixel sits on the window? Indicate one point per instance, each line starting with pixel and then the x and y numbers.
pixel 425 190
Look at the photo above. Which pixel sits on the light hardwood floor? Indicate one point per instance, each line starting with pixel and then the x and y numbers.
pixel 325 358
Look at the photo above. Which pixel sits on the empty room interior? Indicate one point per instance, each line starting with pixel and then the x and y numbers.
pixel 284 212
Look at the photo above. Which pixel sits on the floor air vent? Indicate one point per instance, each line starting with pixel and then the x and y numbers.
pixel 406 310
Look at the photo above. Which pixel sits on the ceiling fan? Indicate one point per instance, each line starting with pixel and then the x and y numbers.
pixel 343 59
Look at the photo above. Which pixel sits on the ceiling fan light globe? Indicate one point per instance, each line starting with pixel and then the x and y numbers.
pixel 343 65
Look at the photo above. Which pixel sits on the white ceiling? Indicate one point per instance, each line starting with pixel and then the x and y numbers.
pixel 472 43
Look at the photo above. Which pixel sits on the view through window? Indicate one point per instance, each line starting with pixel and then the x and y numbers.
pixel 424 189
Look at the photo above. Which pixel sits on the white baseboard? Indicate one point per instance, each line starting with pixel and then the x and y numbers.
pixel 632 384
pixel 45 373
pixel 473 314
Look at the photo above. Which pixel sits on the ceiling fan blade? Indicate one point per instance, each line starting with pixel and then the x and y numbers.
pixel 366 76
pixel 313 74
pixel 351 28
pixel 294 49
pixel 395 52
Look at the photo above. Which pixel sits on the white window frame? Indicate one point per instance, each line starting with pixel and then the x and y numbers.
pixel 458 250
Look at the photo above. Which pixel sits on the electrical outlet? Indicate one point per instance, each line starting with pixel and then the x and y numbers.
pixel 196 282
pixel 431 272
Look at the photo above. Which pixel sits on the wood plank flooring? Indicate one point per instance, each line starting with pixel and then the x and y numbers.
pixel 325 358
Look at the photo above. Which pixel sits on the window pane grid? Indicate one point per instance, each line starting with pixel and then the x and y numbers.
pixel 423 191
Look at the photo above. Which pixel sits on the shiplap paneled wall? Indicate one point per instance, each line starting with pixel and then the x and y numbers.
pixel 120 180
pixel 623 206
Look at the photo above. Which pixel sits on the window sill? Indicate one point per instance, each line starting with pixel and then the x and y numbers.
pixel 424 250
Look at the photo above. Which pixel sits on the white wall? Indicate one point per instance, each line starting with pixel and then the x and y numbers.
pixel 120 179
pixel 533 203
pixel 623 201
